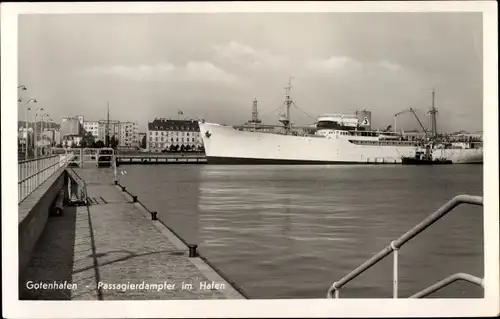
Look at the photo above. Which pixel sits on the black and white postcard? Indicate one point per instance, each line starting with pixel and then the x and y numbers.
pixel 240 159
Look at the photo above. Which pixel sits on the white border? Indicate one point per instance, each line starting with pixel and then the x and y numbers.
pixel 12 308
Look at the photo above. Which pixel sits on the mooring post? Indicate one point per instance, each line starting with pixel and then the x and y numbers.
pixel 134 198
pixel 123 188
pixel 192 250
pixel 153 216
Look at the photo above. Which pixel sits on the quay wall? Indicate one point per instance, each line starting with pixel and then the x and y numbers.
pixel 34 212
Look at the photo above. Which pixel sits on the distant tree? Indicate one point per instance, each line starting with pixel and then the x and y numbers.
pixel 87 140
pixel 113 142
pixel 73 144
pixel 187 148
pixel 143 142
pixel 98 144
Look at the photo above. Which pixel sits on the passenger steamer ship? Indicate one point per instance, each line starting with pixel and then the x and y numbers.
pixel 338 139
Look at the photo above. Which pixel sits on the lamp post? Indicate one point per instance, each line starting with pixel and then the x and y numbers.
pixel 47 117
pixel 26 121
pixel 36 146
pixel 41 133
pixel 23 88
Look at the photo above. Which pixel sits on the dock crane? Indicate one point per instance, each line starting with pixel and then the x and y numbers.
pixel 414 114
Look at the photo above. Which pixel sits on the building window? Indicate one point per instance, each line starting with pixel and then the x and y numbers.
pixel 193 139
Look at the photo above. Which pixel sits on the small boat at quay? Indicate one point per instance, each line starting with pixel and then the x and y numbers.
pixel 424 158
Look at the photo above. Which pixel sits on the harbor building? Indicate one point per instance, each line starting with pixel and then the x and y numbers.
pixel 129 134
pixel 112 127
pixel 70 126
pixel 126 133
pixel 142 137
pixel 173 135
pixel 71 131
pixel 51 137
pixel 92 127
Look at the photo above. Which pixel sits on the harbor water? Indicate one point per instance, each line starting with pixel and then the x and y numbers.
pixel 291 231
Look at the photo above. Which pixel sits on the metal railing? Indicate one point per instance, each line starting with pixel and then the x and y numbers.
pixel 81 156
pixel 32 173
pixel 394 246
pixel 445 282
pixel 83 196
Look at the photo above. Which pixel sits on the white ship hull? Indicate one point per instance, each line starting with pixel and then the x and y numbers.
pixel 226 145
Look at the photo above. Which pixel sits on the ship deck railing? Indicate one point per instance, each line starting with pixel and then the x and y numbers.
pixel 395 245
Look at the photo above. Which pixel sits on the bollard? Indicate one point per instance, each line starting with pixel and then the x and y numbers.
pixel 192 250
pixel 116 182
pixel 153 216
pixel 134 198
pixel 123 188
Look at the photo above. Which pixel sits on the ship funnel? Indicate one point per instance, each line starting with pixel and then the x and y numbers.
pixel 365 119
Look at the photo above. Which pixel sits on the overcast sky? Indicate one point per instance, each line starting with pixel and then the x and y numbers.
pixel 213 65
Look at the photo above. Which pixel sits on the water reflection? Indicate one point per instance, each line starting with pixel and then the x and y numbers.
pixel 290 231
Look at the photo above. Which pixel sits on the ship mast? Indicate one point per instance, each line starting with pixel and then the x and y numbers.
pixel 285 118
pixel 433 111
pixel 255 112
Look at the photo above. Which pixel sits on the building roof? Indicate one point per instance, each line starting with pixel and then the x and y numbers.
pixel 111 122
pixel 173 125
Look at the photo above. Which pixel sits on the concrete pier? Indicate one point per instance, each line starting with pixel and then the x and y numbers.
pixel 161 159
pixel 111 249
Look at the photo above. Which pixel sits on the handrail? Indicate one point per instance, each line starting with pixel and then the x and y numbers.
pixel 394 246
pixel 34 172
pixel 83 188
pixel 448 280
